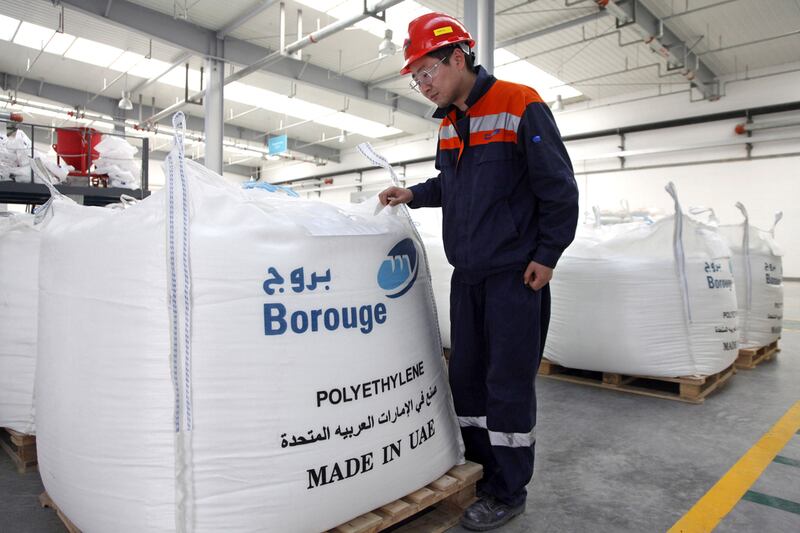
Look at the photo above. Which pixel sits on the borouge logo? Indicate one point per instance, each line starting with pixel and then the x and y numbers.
pixel 398 272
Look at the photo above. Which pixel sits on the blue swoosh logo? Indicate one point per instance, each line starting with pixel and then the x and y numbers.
pixel 488 136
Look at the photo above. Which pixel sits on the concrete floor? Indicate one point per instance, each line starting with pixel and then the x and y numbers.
pixel 608 461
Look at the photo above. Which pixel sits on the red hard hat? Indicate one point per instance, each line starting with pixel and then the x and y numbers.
pixel 432 31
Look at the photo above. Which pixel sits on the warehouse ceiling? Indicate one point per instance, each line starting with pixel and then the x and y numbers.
pixel 338 92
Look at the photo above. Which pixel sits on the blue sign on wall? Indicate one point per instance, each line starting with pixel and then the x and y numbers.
pixel 277 145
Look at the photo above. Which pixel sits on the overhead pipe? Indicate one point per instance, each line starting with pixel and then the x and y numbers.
pixel 311 38
pixel 745 127
pixel 654 35
pixel 14 117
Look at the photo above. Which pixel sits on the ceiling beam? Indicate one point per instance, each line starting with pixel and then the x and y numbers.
pixel 667 44
pixel 246 15
pixel 202 41
pixel 654 31
pixel 527 36
pixel 108 106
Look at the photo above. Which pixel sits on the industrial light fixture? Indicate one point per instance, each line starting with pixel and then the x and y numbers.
pixel 387 47
pixel 558 105
pixel 125 102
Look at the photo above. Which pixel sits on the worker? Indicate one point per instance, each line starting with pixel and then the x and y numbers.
pixel 510 207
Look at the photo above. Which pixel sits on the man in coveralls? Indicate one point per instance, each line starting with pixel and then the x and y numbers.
pixel 510 207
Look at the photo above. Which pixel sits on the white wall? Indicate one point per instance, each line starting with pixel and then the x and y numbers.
pixel 763 186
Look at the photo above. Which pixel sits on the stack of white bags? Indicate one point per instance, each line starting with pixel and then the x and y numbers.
pixel 758 272
pixel 218 359
pixel 15 156
pixel 647 299
pixel 117 161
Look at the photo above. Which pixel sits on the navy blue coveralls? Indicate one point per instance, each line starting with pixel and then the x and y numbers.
pixel 508 196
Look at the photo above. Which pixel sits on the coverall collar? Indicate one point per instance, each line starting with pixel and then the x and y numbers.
pixel 482 84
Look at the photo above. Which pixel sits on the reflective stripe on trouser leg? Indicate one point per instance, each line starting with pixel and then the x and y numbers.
pixel 468 373
pixel 498 438
pixel 497 326
pixel 512 325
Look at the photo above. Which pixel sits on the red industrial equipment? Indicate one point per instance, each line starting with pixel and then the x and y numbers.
pixel 72 145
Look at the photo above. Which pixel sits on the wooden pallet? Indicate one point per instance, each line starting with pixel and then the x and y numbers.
pixel 749 358
pixel 689 389
pixel 432 509
pixel 20 447
pixel 46 501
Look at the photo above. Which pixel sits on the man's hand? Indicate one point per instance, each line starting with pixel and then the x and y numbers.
pixel 395 195
pixel 537 276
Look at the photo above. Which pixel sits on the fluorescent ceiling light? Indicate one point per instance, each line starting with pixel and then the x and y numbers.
pixel 33 35
pixel 149 68
pixel 397 17
pixel 298 108
pixel 510 67
pixel 93 52
pixel 60 43
pixel 126 61
pixel 177 78
pixel 8 27
pixel 362 126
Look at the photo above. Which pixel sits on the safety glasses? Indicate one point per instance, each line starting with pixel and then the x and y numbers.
pixel 425 77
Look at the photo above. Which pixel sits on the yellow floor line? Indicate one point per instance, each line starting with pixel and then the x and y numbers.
pixel 722 497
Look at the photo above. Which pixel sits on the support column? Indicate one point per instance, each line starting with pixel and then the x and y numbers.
pixel 471 17
pixel 214 114
pixel 479 20
pixel 119 124
pixel 486 35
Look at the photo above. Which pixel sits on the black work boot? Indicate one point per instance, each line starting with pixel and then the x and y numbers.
pixel 488 513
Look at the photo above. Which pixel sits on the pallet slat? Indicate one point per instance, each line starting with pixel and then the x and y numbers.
pixel 46 501
pixel 450 494
pixel 749 358
pixel 432 509
pixel 690 389
pixel 21 448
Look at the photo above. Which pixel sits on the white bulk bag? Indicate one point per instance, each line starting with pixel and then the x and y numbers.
pixel 116 160
pixel 115 147
pixel 19 278
pixel 758 271
pixel 429 224
pixel 645 299
pixel 218 359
